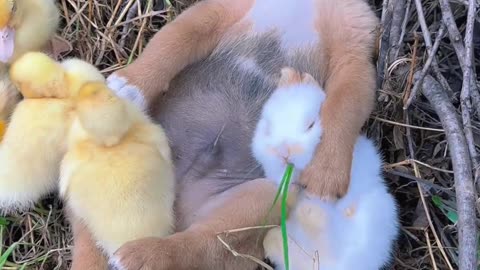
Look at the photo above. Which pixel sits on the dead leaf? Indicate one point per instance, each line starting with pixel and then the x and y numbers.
pixel 398 137
pixel 421 220
pixel 58 46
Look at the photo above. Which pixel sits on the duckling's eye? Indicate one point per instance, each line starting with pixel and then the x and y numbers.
pixel 311 125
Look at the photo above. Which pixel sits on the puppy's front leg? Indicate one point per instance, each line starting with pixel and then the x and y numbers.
pixel 192 36
pixel 347 29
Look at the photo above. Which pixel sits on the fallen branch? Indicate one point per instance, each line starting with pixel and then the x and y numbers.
pixel 468 81
pixel 399 13
pixel 385 25
pixel 454 34
pixel 461 162
pixel 431 56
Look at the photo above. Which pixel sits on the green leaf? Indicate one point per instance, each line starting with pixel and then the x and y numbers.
pixel 4 257
pixel 452 216
pixel 450 213
pixel 437 201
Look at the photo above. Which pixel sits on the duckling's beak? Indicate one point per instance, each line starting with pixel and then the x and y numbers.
pixel 7 44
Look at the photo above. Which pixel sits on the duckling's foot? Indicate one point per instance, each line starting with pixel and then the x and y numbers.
pixel 127 91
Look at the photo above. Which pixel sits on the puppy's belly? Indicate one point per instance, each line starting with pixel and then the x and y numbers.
pixel 210 113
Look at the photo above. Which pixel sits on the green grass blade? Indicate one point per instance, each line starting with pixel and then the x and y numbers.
pixel 3 221
pixel 279 192
pixel 283 191
pixel 4 257
pixel 283 221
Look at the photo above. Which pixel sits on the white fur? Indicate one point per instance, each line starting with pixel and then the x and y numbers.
pixel 294 19
pixel 284 121
pixel 129 92
pixel 362 241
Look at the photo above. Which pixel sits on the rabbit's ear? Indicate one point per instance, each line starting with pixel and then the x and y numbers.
pixel 308 79
pixel 288 77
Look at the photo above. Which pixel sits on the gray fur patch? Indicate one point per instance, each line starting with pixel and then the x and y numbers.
pixel 212 107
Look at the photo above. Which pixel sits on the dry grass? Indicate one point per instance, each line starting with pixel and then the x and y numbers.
pixel 419 166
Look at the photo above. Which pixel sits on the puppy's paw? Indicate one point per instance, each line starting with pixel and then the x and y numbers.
pixel 127 91
pixel 145 254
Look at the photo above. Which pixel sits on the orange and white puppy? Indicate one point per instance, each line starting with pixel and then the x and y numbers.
pixel 338 35
pixel 334 40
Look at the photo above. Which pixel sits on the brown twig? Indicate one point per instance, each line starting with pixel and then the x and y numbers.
pixel 465 192
pixel 431 56
pixel 428 44
pixel 408 87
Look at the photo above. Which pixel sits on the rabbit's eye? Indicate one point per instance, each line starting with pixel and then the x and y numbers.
pixel 311 125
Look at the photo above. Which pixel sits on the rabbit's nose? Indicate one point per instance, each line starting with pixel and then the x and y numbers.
pixel 295 149
pixel 284 151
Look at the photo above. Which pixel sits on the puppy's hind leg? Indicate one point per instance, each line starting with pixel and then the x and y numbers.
pixel 86 254
pixel 198 247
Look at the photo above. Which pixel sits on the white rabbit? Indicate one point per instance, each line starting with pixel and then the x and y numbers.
pixel 357 231
pixel 289 127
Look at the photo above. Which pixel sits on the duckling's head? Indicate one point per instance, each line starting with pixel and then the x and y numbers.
pixel 103 115
pixel 79 72
pixel 36 75
pixel 7 33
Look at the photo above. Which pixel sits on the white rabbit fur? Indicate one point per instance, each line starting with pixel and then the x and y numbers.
pixel 284 122
pixel 361 241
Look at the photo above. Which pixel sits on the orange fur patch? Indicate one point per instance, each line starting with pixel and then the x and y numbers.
pixel 3 128
pixel 350 211
pixel 289 76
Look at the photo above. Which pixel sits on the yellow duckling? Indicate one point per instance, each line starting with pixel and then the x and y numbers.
pixel 35 140
pixel 117 175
